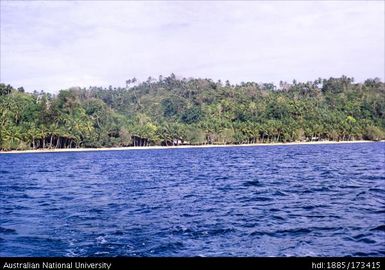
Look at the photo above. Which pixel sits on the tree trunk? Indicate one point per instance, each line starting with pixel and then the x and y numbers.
pixel 50 142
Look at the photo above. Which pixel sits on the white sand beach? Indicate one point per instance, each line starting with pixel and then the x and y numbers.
pixel 176 147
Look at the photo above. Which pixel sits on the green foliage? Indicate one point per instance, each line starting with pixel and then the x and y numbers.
pixel 5 89
pixel 191 115
pixel 169 108
pixel 174 111
pixel 374 133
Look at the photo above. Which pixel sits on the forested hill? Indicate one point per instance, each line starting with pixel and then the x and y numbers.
pixel 171 111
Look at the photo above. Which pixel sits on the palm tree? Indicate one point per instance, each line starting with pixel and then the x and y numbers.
pixel 32 134
pixel 53 132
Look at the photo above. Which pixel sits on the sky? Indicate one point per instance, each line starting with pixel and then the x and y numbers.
pixel 60 44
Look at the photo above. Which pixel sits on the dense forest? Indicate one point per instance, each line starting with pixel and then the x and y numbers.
pixel 173 111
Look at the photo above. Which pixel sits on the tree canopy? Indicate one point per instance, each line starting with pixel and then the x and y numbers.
pixel 172 111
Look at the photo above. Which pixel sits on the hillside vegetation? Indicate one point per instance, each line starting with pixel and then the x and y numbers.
pixel 170 111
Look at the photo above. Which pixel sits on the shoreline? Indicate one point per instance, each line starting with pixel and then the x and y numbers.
pixel 177 147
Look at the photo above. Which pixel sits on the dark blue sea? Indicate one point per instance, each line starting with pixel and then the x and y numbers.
pixel 296 200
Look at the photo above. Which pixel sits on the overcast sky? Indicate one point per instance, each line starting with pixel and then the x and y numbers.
pixel 59 44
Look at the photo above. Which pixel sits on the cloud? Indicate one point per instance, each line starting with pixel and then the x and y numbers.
pixel 56 45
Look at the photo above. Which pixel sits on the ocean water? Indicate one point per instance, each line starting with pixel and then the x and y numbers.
pixel 297 200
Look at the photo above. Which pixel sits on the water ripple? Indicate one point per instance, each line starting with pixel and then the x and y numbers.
pixel 309 200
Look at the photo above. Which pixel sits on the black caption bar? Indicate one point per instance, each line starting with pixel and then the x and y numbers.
pixel 308 263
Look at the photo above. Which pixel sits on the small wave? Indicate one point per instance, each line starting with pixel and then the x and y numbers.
pixel 359 236
pixel 350 186
pixel 278 217
pixel 296 231
pixel 181 229
pixel 375 177
pixel 261 233
pixel 325 228
pixel 226 188
pixel 201 256
pixel 262 199
pixel 279 193
pixel 292 232
pixel 96 210
pixel 367 241
pixel 7 231
pixel 70 253
pixel 43 170
pixel 378 190
pixel 167 248
pixel 379 228
pixel 360 193
pixel 101 240
pixel 221 178
pixel 44 204
pixel 250 225
pixel 320 189
pixel 101 253
pixel 187 215
pixel 188 196
pixel 220 231
pixel 326 173
pixel 254 183
pixel 16 188
pixel 364 254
